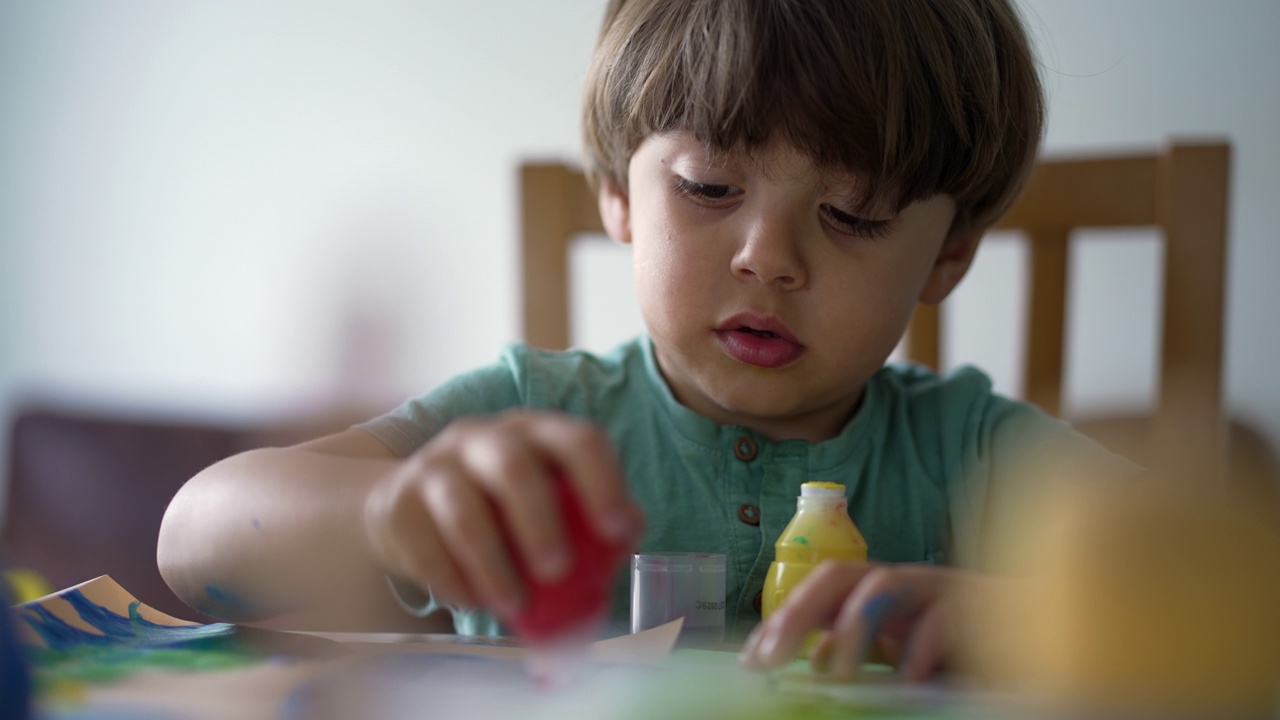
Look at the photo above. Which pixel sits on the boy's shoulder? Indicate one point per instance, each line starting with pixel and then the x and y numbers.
pixel 914 379
pixel 963 390
pixel 958 415
pixel 576 379
pixel 529 364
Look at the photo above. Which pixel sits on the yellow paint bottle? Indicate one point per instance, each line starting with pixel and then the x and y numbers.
pixel 820 530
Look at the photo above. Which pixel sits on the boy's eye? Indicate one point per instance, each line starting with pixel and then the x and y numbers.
pixel 704 192
pixel 853 225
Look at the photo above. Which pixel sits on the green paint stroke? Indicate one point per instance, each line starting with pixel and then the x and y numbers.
pixel 802 540
pixel 106 663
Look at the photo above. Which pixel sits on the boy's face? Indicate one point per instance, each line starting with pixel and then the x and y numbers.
pixel 769 300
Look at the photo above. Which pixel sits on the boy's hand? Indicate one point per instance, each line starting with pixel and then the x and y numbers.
pixel 438 519
pixel 906 611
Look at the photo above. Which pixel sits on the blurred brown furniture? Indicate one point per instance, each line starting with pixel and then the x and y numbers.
pixel 556 207
pixel 1181 190
pixel 87 491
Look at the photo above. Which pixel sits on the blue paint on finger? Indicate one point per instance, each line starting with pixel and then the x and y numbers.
pixel 873 615
pixel 874 612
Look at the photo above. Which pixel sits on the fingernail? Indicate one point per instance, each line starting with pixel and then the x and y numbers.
pixel 551 564
pixel 768 648
pixel 618 526
pixel 507 607
pixel 747 654
pixel 820 657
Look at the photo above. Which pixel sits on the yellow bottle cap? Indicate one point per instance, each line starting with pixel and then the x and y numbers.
pixel 821 489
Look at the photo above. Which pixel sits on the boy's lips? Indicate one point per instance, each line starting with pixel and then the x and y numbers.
pixel 759 340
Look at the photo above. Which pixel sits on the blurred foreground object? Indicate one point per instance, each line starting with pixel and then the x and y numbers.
pixel 1146 599
pixel 1182 191
pixel 25 585
pixel 15 680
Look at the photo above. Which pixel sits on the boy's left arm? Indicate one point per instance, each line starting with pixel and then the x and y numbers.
pixel 908 613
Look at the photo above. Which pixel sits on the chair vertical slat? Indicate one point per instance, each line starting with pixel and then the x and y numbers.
pixel 924 336
pixel 547 216
pixel 1046 318
pixel 1193 212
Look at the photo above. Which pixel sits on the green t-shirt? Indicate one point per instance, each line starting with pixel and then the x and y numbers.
pixel 917 459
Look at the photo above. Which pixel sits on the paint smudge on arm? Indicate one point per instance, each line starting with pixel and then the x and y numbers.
pixel 222 603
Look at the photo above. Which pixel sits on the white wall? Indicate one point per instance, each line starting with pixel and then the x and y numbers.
pixel 241 208
pixel 203 203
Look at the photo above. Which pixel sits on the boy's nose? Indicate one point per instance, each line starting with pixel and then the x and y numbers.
pixel 772 257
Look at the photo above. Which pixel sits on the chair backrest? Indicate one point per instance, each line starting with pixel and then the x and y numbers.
pixel 1180 190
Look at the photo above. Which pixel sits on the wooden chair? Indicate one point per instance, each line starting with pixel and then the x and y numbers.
pixel 1181 190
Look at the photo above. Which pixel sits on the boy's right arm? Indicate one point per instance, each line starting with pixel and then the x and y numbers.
pixel 306 535
pixel 278 534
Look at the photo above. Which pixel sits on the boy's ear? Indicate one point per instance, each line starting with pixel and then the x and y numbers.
pixel 952 263
pixel 615 211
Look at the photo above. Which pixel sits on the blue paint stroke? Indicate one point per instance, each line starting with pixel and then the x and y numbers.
pixel 222 603
pixel 133 630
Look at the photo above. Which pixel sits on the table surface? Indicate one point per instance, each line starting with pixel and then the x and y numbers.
pixel 98 653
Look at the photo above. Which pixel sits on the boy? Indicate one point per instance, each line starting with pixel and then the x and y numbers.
pixel 793 177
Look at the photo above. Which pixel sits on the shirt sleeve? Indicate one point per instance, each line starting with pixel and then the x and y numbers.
pixel 487 390
pixel 405 429
pixel 1018 453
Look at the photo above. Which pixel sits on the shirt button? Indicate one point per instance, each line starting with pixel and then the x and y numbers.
pixel 757 602
pixel 749 514
pixel 745 449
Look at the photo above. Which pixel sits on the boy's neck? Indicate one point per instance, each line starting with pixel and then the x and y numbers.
pixel 813 427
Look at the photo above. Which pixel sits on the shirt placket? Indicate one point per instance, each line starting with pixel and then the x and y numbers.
pixel 745 475
pixel 775 471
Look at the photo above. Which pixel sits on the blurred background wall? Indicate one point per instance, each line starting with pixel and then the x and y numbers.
pixel 250 210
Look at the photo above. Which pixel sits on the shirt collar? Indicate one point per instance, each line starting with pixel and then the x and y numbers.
pixel 817 456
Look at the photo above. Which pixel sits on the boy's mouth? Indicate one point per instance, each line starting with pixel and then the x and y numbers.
pixel 757 340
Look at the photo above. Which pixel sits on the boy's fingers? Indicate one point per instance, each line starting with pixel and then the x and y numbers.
pixel 857 626
pixel 927 645
pixel 515 477
pixel 820 655
pixel 589 462
pixel 808 607
pixel 748 655
pixel 887 597
pixel 469 530
pixel 410 542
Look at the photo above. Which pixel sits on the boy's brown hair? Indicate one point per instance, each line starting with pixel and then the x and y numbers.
pixel 925 97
